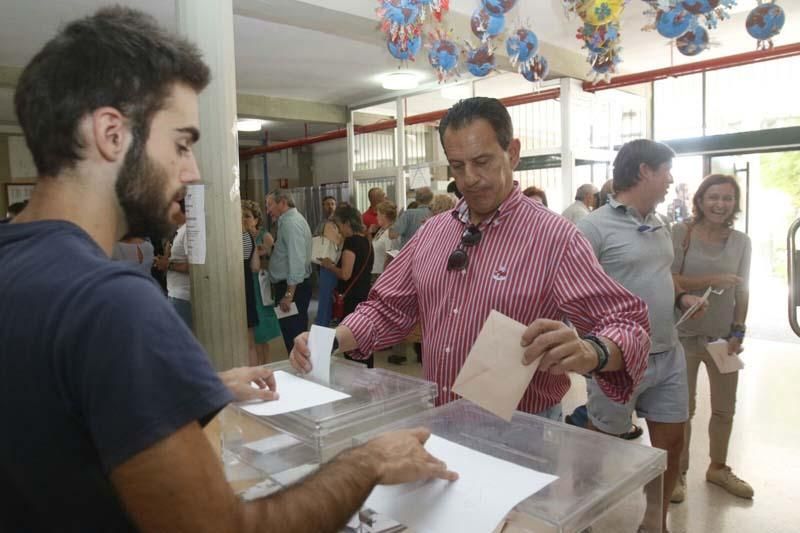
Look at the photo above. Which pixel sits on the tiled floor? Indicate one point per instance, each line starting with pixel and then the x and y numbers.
pixel 765 445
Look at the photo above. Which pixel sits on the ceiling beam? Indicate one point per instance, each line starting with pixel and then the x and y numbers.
pixel 249 105
pixel 271 108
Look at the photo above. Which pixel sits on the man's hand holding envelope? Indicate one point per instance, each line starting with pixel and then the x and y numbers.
pixel 507 354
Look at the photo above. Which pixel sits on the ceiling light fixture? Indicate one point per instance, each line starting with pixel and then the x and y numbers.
pixel 400 80
pixel 248 124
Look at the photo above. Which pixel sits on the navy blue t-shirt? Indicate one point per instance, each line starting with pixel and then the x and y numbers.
pixel 95 367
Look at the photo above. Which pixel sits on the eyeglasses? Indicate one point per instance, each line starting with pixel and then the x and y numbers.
pixel 459 259
pixel 646 228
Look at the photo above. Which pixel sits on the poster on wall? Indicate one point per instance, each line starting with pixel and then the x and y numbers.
pixel 419 177
pixel 18 192
pixel 196 224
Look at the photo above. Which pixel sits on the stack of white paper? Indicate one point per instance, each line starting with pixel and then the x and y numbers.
pixel 487 489
pixel 295 394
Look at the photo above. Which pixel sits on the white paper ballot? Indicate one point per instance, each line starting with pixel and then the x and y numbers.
pixel 719 353
pixel 195 201
pixel 272 444
pixel 320 343
pixel 291 312
pixel 486 490
pixel 295 394
pixel 693 308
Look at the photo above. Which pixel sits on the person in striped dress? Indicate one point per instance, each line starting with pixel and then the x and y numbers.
pixel 498 250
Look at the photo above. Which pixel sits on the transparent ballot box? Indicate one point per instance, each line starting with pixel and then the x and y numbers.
pixel 288 446
pixel 603 482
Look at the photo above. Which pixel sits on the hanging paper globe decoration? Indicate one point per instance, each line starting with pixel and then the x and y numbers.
pixel 498 7
pixel 399 20
pixel 765 21
pixel 674 22
pixel 443 54
pixel 400 12
pixel 693 41
pixel 537 70
pixel 597 12
pixel 480 61
pixel 407 52
pixel 598 39
pixel 436 7
pixel 486 25
pixel 522 46
pixel 700 7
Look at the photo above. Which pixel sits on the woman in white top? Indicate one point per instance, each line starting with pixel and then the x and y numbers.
pixel 381 243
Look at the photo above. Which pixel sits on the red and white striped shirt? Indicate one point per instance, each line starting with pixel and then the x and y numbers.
pixel 531 263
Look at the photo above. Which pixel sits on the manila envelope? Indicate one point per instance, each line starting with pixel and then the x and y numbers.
pixel 719 353
pixel 493 375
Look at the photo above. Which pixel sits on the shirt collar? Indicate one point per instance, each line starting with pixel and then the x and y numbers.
pixel 461 211
pixel 619 206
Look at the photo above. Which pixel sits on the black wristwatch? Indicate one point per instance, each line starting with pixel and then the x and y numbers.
pixel 602 352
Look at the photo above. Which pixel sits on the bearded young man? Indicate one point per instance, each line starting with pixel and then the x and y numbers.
pixel 104 386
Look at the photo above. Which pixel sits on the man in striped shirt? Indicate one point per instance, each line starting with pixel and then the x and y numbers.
pixel 500 250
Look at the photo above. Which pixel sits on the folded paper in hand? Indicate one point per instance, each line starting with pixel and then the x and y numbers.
pixel 284 314
pixel 689 312
pixel 493 375
pixel 726 363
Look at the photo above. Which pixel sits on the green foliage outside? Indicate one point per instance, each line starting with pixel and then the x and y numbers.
pixel 781 170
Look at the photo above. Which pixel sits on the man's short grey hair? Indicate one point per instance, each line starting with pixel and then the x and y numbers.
pixel 424 195
pixel 278 195
pixel 583 191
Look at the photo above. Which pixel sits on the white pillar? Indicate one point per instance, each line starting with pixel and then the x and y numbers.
pixel 218 302
pixel 400 155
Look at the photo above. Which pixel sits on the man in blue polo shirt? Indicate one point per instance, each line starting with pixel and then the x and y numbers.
pixel 104 387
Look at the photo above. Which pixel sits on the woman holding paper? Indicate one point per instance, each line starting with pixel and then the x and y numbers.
pixel 381 243
pixel 355 264
pixel 712 257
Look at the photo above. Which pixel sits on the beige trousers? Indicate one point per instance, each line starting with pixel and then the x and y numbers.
pixel 723 401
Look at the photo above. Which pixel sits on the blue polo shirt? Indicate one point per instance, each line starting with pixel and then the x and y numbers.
pixel 95 367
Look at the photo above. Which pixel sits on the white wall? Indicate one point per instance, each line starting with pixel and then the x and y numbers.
pixel 330 161
pixel 20 161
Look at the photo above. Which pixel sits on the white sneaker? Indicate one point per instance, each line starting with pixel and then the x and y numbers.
pixel 728 481
pixel 679 491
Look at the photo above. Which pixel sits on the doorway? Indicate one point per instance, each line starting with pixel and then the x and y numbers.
pixel 770 186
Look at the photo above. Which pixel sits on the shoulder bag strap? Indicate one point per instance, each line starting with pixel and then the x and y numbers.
pixel 685 245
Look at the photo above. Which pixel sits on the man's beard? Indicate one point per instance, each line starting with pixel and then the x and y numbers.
pixel 140 192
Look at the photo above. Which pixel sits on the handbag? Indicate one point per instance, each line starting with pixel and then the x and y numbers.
pixel 322 248
pixel 685 246
pixel 337 311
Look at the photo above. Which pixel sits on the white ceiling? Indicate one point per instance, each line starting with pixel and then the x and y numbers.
pixel 328 64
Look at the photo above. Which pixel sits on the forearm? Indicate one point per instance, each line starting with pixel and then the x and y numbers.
pixel 346 339
pixel 691 283
pixel 324 502
pixel 290 290
pixel 183 268
pixel 740 309
pixel 255 262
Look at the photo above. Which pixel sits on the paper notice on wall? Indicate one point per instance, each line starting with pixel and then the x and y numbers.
pixel 419 177
pixel 196 224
